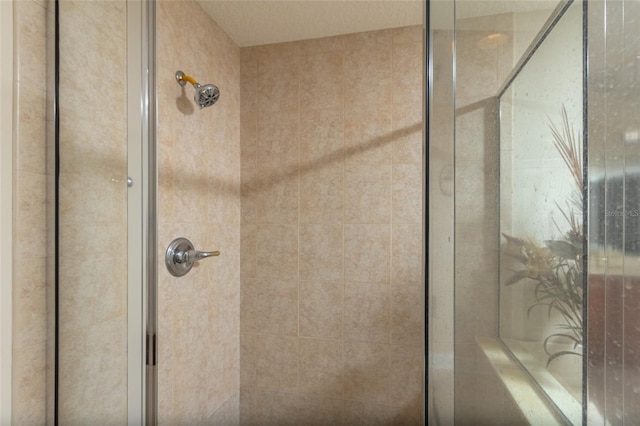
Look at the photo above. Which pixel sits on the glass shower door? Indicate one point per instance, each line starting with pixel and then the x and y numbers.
pixel 99 183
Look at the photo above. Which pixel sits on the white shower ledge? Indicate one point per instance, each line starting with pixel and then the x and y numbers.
pixel 535 407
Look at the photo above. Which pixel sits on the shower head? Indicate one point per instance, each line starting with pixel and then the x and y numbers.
pixel 205 96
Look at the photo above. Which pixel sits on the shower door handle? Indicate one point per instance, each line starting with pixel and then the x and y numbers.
pixel 181 255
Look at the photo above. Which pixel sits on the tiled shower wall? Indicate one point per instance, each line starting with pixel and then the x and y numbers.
pixel 30 212
pixel 332 184
pixel 198 198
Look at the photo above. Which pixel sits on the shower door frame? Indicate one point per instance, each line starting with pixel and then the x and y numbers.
pixel 141 212
pixel 439 197
pixel 146 327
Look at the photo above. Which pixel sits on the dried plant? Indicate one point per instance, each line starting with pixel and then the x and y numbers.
pixel 556 268
pixel 569 145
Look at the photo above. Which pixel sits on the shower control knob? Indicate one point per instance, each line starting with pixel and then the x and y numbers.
pixel 180 256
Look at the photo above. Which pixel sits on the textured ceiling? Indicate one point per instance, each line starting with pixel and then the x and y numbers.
pixel 251 23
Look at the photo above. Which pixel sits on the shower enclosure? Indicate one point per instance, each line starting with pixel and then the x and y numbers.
pixel 533 212
pixel 305 179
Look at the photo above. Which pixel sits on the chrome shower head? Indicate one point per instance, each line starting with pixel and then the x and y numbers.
pixel 205 96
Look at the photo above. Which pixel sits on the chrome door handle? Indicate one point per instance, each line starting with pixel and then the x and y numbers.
pixel 180 256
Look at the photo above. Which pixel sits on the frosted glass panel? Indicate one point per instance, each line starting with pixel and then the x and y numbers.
pixel 614 218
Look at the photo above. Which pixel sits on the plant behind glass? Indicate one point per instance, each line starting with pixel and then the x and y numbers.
pixel 556 268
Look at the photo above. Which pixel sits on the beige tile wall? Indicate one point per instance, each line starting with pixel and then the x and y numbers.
pixel 30 215
pixel 198 198
pixel 331 243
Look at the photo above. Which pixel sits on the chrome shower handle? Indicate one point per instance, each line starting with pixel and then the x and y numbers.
pixel 197 255
pixel 191 256
pixel 180 256
pixel 194 255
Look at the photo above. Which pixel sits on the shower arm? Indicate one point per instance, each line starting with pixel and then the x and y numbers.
pixel 182 79
pixel 205 96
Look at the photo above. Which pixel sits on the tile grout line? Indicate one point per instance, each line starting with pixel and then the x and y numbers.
pixel 343 281
pixel 297 71
pixel 343 368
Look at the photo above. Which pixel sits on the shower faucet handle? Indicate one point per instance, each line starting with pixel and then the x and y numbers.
pixel 195 255
pixel 180 256
pixel 191 256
